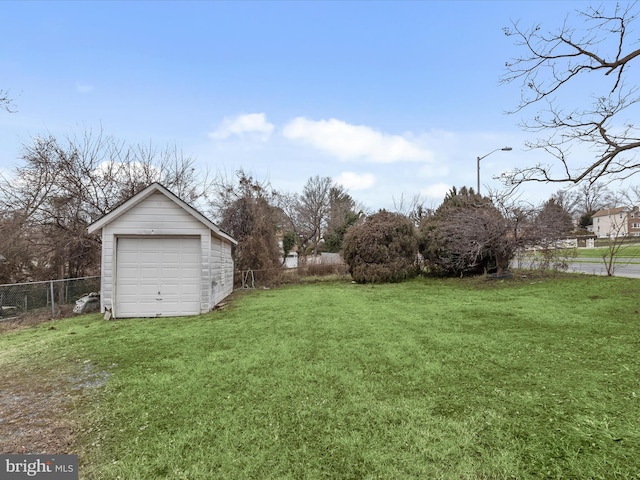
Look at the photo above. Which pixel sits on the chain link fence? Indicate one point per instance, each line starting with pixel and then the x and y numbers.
pixel 19 298
pixel 280 276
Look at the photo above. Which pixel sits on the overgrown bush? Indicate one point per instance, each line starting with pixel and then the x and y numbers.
pixel 249 217
pixel 381 249
pixel 467 235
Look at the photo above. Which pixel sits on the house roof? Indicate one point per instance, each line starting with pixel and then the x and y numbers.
pixel 610 211
pixel 150 190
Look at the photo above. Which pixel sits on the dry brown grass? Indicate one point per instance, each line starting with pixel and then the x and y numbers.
pixel 34 317
pixel 35 406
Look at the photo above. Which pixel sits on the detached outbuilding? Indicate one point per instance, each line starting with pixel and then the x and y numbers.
pixel 162 258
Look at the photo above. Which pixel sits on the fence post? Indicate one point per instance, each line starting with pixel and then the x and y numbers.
pixel 53 302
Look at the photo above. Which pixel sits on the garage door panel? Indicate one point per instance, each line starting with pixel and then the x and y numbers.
pixel 171 272
pixel 146 266
pixel 148 272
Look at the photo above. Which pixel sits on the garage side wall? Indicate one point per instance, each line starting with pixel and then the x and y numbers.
pixel 228 270
pixel 221 268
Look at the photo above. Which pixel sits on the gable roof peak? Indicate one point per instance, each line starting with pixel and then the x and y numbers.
pixel 147 192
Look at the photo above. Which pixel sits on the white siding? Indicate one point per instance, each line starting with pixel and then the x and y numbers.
pixel 157 215
pixel 215 285
pixel 613 225
pixel 221 270
pixel 226 261
pixel 107 274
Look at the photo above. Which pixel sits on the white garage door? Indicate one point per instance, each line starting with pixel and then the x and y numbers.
pixel 157 277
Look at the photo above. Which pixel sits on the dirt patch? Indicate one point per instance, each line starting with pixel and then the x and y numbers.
pixel 34 317
pixel 35 415
pixel 39 409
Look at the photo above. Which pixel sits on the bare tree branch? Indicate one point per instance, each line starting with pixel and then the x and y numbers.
pixel 65 184
pixel 6 102
pixel 555 63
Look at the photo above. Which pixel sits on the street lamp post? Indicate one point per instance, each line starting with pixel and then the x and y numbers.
pixel 504 149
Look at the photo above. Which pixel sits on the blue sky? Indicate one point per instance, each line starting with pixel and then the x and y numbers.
pixel 390 99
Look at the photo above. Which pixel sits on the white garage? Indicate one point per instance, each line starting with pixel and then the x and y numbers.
pixel 161 257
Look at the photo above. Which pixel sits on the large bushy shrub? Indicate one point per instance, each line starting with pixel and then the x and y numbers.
pixel 383 248
pixel 467 234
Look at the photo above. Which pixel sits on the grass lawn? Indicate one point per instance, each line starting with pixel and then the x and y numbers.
pixel 626 255
pixel 431 379
pixel 626 251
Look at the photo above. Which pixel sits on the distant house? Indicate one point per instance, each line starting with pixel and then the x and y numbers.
pixel 161 257
pixel 617 222
pixel 291 261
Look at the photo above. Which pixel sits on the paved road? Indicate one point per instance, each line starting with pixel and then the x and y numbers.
pixel 594 266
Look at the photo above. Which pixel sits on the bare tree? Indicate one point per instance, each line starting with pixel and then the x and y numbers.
pixel 538 231
pixel 591 197
pixel 413 208
pixel 548 237
pixel 613 249
pixel 6 102
pixel 313 211
pixel 581 201
pixel 64 185
pixel 631 196
pixel 598 43
pixel 246 209
pixel 19 246
pixel 566 199
pixel 308 213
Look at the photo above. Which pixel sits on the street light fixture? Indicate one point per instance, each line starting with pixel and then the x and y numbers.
pixel 504 149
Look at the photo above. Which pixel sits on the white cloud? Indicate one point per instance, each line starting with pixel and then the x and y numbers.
pixel 250 124
pixel 440 169
pixel 349 142
pixel 83 88
pixel 356 181
pixel 436 191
